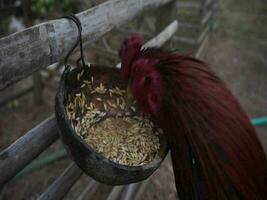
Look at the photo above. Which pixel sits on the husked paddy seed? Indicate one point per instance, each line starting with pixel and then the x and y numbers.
pixel 126 138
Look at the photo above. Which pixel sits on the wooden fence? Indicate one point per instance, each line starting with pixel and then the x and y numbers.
pixel 35 48
pixel 202 28
pixel 39 46
pixel 191 36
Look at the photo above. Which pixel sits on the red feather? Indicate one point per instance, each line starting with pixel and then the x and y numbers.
pixel 215 151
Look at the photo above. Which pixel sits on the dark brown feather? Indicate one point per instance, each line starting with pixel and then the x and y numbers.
pixel 215 151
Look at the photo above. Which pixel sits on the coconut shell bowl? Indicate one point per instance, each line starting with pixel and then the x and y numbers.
pixel 101 128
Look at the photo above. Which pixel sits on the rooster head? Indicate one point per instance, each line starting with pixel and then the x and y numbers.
pixel 145 86
pixel 129 51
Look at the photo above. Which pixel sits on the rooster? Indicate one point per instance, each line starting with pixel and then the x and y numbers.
pixel 215 152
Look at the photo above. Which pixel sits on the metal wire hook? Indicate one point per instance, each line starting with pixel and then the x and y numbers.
pixel 79 40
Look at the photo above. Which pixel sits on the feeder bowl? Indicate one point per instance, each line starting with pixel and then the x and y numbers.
pixel 92 163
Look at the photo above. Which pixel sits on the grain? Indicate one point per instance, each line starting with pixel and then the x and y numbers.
pixel 133 108
pixel 126 138
pixel 83 85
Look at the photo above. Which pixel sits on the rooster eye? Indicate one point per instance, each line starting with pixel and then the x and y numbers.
pixel 148 80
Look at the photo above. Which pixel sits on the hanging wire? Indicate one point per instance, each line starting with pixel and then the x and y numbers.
pixel 79 40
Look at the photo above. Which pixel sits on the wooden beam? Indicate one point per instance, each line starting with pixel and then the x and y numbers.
pixel 130 191
pixel 202 47
pixel 25 149
pixel 62 184
pixel 141 189
pixel 163 36
pixel 116 192
pixel 206 18
pixel 37 47
pixel 203 34
pixel 36 78
pixel 89 190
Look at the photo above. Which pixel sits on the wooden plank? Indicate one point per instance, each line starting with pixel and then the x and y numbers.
pixel 89 190
pixel 163 36
pixel 141 189
pixel 115 193
pixel 35 48
pixel 130 191
pixel 25 149
pixel 36 78
pixel 101 192
pixel 62 184
pixel 203 34
pixel 202 47
pixel 206 17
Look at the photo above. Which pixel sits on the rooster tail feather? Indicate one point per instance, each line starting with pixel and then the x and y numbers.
pixel 215 151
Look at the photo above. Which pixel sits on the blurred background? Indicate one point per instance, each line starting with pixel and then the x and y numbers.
pixel 231 36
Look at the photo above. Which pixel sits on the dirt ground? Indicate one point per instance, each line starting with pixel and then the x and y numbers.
pixel 236 54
